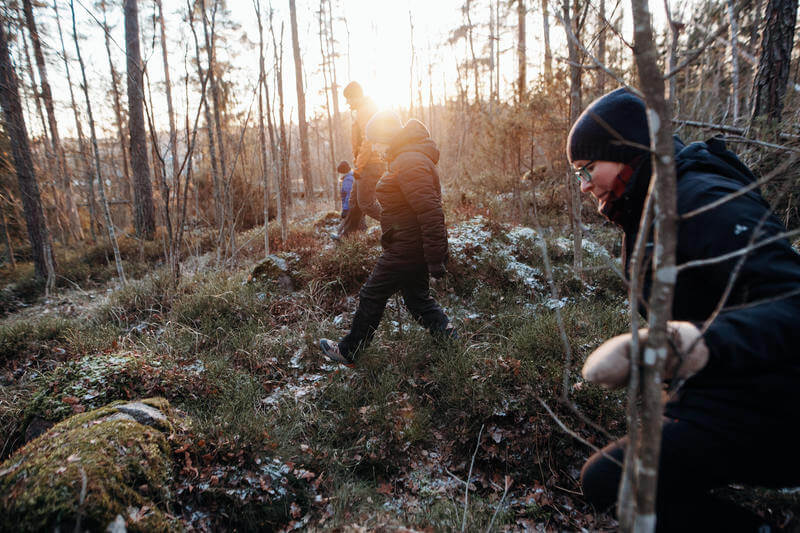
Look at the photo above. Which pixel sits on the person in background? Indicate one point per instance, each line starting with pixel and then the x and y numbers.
pixel 346 186
pixel 368 165
pixel 737 382
pixel 414 237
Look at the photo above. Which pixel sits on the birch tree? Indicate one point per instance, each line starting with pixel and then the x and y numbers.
pixel 640 475
pixel 305 164
pixel 112 234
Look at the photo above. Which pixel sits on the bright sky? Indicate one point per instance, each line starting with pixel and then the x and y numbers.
pixel 379 46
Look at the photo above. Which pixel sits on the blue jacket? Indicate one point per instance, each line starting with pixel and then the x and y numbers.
pixel 347 188
pixel 752 379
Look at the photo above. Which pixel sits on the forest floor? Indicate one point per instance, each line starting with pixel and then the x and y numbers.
pixel 421 435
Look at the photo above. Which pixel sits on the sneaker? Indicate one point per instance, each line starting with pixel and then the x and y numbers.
pixel 331 351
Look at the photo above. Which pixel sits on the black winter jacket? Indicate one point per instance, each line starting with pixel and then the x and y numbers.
pixel 752 379
pixel 412 219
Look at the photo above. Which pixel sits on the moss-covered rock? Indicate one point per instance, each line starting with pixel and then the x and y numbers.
pixel 278 268
pixel 90 468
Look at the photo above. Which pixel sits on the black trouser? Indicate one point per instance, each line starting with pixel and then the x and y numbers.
pixel 693 461
pixel 386 279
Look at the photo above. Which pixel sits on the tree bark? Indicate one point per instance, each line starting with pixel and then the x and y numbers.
pixel 173 133
pixel 14 122
pixel 663 187
pixel 87 166
pixel 226 207
pixel 601 48
pixel 548 54
pixel 65 179
pixel 144 221
pixel 264 93
pixel 305 165
pixel 6 238
pixel 522 61
pixel 575 107
pixel 734 36
pixel 283 182
pixel 112 234
pixel 470 41
pixel 331 167
pixel 769 87
pixel 212 149
pixel 123 142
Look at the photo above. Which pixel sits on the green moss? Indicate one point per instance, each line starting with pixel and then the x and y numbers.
pixel 121 463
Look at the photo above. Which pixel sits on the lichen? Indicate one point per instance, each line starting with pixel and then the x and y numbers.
pixel 123 465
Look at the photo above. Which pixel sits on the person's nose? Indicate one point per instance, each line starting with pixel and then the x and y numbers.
pixel 586 186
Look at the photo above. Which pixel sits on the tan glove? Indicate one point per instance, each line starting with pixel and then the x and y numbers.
pixel 609 365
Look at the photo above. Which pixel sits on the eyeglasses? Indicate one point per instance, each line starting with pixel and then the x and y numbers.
pixel 583 174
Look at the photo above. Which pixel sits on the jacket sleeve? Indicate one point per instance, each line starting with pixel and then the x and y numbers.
pixel 420 186
pixel 760 330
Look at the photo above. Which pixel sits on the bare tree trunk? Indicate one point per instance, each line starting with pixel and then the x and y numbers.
pixel 337 119
pixel 601 48
pixel 87 166
pixel 14 123
pixel 331 168
pixel 263 93
pixel 123 142
pixel 522 62
pixel 673 50
pixel 651 360
pixel 144 211
pixel 305 165
pixel 283 182
pixel 548 54
pixel 6 238
pixel 734 36
pixel 212 150
pixel 575 106
pixel 112 235
pixel 769 87
pixel 475 74
pixel 173 134
pixel 50 158
pixel 65 179
pixel 492 39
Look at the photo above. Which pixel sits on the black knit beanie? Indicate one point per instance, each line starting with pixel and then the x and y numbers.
pixel 600 131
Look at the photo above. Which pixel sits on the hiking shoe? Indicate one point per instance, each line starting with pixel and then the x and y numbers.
pixel 448 334
pixel 331 351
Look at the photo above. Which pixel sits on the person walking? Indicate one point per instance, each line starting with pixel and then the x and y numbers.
pixel 345 186
pixel 414 237
pixel 739 378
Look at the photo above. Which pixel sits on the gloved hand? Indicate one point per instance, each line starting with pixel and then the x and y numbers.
pixel 437 271
pixel 609 365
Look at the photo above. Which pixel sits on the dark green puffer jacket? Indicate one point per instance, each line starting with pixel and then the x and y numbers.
pixel 412 219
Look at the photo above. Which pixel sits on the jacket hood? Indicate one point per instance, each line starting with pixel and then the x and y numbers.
pixel 414 137
pixel 712 157
pixel 709 157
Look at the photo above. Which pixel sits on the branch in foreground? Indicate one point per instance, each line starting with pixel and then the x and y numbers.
pixel 737 253
pixel 744 190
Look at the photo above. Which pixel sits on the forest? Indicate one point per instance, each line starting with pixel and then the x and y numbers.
pixel 173 250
